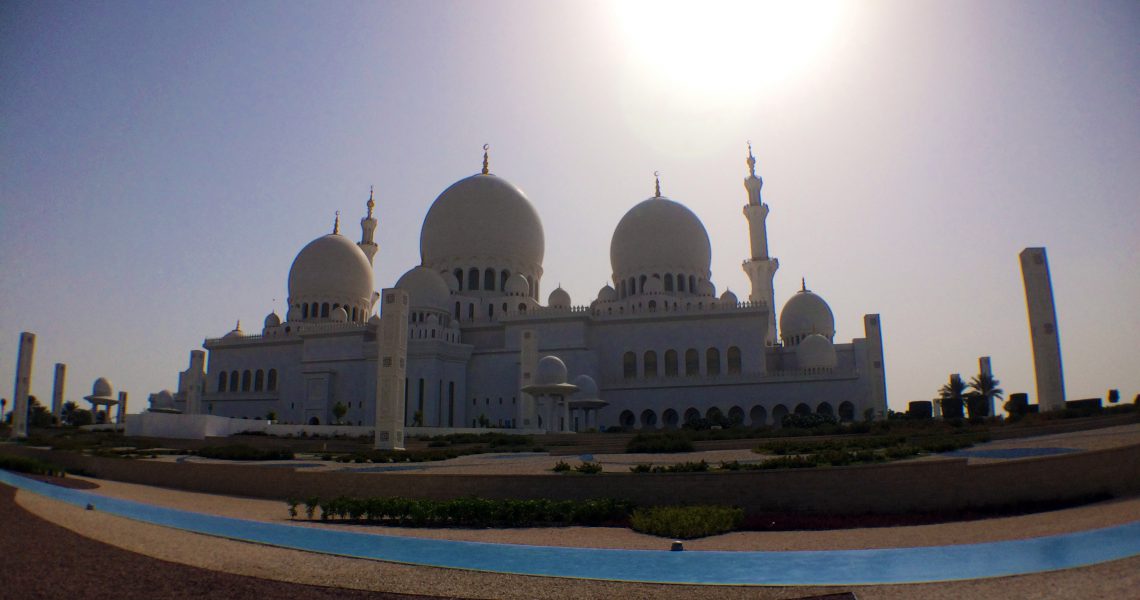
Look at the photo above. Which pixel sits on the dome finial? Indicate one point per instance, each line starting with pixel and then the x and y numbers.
pixel 803 284
pixel 751 160
pixel 336 224
pixel 657 184
pixel 238 326
pixel 371 203
pixel 486 170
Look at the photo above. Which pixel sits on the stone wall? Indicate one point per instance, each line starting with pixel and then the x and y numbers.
pixel 923 485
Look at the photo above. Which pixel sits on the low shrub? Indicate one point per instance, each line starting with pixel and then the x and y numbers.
pixel 641 468
pixel 561 467
pixel 589 468
pixel 686 522
pixel 31 466
pixel 658 443
pixel 243 452
pixel 470 512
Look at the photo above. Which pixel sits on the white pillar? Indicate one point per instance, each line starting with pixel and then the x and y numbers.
pixel 195 382
pixel 122 416
pixel 391 370
pixel 984 368
pixel 1043 332
pixel 876 371
pixel 23 385
pixel 528 364
pixel 57 390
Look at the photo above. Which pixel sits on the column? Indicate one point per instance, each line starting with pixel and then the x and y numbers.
pixel 392 365
pixel 23 385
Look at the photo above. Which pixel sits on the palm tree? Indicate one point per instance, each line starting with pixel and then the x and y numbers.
pixel 984 388
pixel 951 396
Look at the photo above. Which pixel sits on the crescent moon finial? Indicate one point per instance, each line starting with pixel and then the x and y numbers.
pixel 486 170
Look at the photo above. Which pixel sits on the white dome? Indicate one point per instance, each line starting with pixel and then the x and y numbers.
pixel 272 320
pixel 516 285
pixel 660 236
pixel 706 288
pixel 551 371
pixel 653 285
pixel 805 313
pixel 607 294
pixel 339 315
pixel 559 298
pixel 587 387
pixel 729 298
pixel 331 268
pixel 426 288
pixel 102 388
pixel 236 332
pixel 432 319
pixel 163 400
pixel 816 352
pixel 482 216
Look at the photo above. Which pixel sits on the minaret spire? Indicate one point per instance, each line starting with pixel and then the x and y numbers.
pixel 657 184
pixel 486 169
pixel 760 267
pixel 803 284
pixel 336 224
pixel 368 229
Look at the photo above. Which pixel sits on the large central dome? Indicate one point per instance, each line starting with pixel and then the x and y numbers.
pixel 660 236
pixel 331 270
pixel 484 219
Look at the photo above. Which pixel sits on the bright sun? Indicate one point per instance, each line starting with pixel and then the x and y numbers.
pixel 713 48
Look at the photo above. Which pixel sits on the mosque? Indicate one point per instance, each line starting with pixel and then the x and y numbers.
pixel 654 349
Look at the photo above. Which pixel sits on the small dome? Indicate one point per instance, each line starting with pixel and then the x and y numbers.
pixel 607 294
pixel 653 285
pixel 559 298
pixel 451 281
pixel 454 324
pixel 659 235
pixel 816 352
pixel 426 288
pixel 236 332
pixel 102 388
pixel 339 315
pixel 706 288
pixel 805 313
pixel 729 298
pixel 587 387
pixel 432 319
pixel 517 285
pixel 272 320
pixel 551 371
pixel 331 267
pixel 483 216
pixel 163 400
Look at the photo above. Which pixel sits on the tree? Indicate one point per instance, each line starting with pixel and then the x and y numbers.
pixel 271 416
pixel 951 396
pixel 38 414
pixel 339 410
pixel 80 417
pixel 1113 396
pixel 66 412
pixel 983 389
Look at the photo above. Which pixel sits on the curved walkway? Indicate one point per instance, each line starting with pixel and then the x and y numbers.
pixel 837 567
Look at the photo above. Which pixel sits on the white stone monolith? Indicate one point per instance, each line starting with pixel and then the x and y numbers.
pixel 23 385
pixel 57 390
pixel 1043 332
pixel 391 369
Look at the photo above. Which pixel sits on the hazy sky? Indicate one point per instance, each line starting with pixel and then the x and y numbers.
pixel 162 163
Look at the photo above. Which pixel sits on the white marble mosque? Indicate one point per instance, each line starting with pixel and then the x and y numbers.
pixel 654 349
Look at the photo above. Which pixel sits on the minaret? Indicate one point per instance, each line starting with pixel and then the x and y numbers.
pixel 1043 330
pixel 761 268
pixel 368 230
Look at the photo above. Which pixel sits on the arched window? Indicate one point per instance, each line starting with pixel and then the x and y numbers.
pixel 651 364
pixel 305 311
pixel 246 380
pixel 733 360
pixel 641 287
pixel 629 365
pixel 668 282
pixel 712 361
pixel 736 416
pixel 692 284
pixel 692 414
pixel 758 415
pixel 222 381
pixel 670 363
pixel 458 308
pixel 489 279
pixel 778 413
pixel 803 409
pixel 522 308
pixel 234 381
pixel 354 314
pixel 652 306
pixel 846 411
pixel 623 289
pixel 258 380
pixel 490 310
pixel 680 282
pixel 504 308
pixel 632 286
pixel 325 309
pixel 692 362
pixel 459 277
pixel 670 419
pixel 648 419
pixel 824 408
pixel 627 419
pixel 473 279
pixel 471 311
pixel 271 380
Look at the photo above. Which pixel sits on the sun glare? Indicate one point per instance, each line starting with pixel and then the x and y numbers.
pixel 715 48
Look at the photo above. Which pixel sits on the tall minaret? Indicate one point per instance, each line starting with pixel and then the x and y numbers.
pixel 760 267
pixel 367 230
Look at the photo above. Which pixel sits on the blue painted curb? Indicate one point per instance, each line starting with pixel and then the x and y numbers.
pixel 829 567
